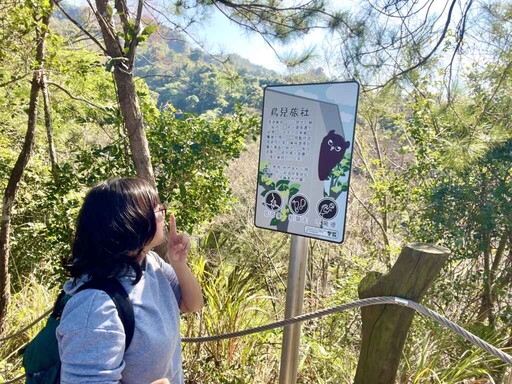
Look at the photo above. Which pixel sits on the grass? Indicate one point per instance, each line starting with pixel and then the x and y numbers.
pixel 26 305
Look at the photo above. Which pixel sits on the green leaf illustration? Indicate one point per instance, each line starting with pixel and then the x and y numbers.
pixel 336 188
pixel 293 191
pixel 282 185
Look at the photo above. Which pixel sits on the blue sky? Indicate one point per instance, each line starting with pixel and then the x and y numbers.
pixel 221 35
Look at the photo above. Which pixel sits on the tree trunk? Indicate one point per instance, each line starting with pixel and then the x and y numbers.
pixel 498 259
pixel 385 327
pixel 18 170
pixel 48 125
pixel 134 123
pixel 10 195
pixel 485 311
pixel 125 84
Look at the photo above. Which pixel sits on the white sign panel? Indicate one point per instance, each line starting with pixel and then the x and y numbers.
pixel 306 146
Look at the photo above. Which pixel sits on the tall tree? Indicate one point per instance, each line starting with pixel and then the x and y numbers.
pixel 392 39
pixel 384 34
pixel 270 18
pixel 41 13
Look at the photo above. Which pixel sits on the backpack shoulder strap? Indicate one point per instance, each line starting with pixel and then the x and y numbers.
pixel 60 302
pixel 121 300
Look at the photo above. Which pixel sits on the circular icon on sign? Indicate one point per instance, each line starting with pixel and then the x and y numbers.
pixel 299 204
pixel 273 201
pixel 327 208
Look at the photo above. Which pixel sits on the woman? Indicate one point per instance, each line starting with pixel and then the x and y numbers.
pixel 120 221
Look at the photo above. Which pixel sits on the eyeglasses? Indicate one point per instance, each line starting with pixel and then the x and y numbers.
pixel 162 208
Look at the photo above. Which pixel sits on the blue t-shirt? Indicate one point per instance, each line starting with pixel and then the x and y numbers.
pixel 91 335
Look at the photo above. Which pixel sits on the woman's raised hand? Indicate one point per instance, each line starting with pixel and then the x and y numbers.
pixel 179 244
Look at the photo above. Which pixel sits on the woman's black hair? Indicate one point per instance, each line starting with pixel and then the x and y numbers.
pixel 116 221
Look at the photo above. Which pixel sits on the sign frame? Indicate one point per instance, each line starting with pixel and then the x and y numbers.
pixel 311 206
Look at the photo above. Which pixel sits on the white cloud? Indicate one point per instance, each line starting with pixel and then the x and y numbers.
pixel 347 97
pixel 347 117
pixel 305 94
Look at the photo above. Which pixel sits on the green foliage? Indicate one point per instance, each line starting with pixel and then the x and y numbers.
pixel 195 82
pixel 44 211
pixel 235 299
pixel 432 356
pixel 276 20
pixel 190 155
pixel 44 223
pixel 461 186
pixel 438 170
pixel 26 306
pixel 485 186
pixel 330 344
pixel 338 177
pixel 19 22
pixel 474 229
pixel 426 168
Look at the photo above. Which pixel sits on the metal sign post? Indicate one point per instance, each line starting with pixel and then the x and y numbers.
pixel 307 140
pixel 294 304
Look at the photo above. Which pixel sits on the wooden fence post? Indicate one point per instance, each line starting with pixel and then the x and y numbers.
pixel 385 327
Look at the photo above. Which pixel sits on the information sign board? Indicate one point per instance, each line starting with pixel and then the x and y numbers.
pixel 307 137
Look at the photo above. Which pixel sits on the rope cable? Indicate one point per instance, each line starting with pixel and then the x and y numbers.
pixel 365 303
pixel 27 327
pixel 339 308
pixel 14 380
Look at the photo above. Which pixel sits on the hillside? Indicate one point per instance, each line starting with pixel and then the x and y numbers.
pixel 190 79
pixel 194 81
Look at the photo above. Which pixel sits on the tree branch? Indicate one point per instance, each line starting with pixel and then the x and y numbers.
pixel 461 29
pixel 133 42
pixel 360 150
pixel 13 80
pixel 79 98
pixel 384 233
pixel 253 28
pixel 184 30
pixel 108 31
pixel 79 26
pixel 426 58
